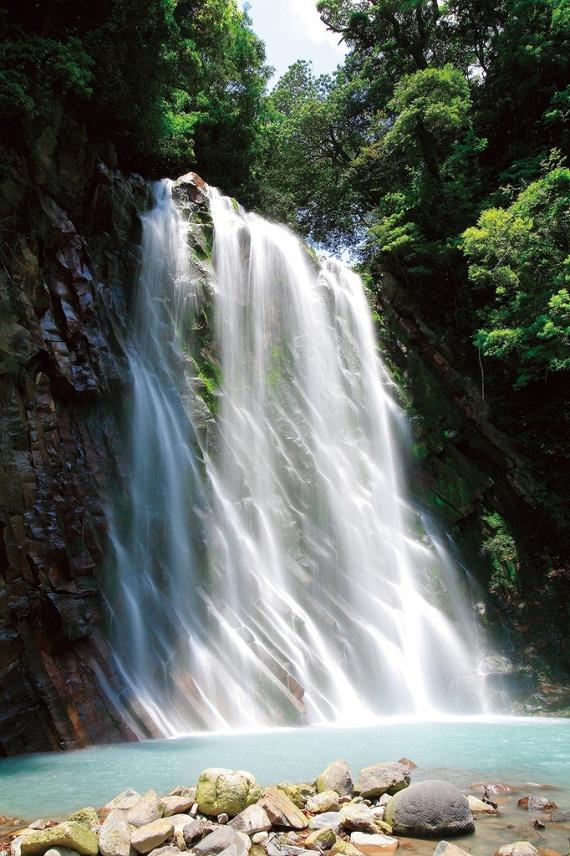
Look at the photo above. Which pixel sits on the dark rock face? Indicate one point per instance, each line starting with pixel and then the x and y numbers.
pixel 430 809
pixel 69 256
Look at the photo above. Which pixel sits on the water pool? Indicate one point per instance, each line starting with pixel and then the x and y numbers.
pixel 517 751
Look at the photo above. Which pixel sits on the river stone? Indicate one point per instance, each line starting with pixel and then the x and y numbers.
pixel 328 818
pixel 115 835
pixel 281 810
pixel 385 778
pixel 336 777
pixel 374 845
pixel 125 800
pixel 533 802
pixel 145 838
pixel 361 818
pixel 345 848
pixel 183 791
pixel 146 810
pixel 60 851
pixel 87 816
pixel 427 809
pixel 477 806
pixel 259 838
pixel 517 848
pixel 228 792
pixel 169 850
pixel 324 801
pixel 445 848
pixel 219 840
pixel 175 805
pixel 69 834
pixel 299 794
pixel 251 820
pixel 320 839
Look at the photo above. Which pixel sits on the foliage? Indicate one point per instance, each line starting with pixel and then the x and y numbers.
pixel 171 82
pixel 521 256
pixel 501 548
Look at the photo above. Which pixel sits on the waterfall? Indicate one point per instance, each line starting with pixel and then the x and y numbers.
pixel 276 575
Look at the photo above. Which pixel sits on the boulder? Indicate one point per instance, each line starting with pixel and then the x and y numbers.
pixel 146 810
pixel 222 791
pixel 517 848
pixel 328 818
pixel 444 848
pixel 533 802
pixel 193 832
pixel 323 801
pixel 146 838
pixel 299 794
pixel 320 839
pixel 336 777
pixel 70 834
pixel 125 800
pixel 361 818
pixel 251 820
pixel 87 816
pixel 220 840
pixel 115 835
pixel 374 845
pixel 281 810
pixel 387 778
pixel 477 806
pixel 181 821
pixel 176 805
pixel 428 809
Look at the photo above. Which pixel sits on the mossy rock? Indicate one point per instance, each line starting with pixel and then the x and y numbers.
pixel 72 835
pixel 223 791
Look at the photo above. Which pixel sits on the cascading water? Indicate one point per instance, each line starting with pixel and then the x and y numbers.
pixel 278 580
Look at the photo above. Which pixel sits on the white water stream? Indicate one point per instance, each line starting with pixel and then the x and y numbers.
pixel 273 576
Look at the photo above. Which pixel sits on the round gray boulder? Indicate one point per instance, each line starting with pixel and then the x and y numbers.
pixel 428 810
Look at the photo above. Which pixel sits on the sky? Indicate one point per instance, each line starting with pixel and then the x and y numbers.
pixel 292 30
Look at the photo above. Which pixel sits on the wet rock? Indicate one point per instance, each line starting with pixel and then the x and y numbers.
pixel 125 800
pixel 374 845
pixel 336 777
pixel 492 788
pixel 228 792
pixel 146 810
pixel 323 801
pixel 299 794
pixel 517 848
pixel 429 809
pixel 151 835
pixel 445 848
pixel 361 818
pixel 115 835
pixel 533 802
pixel 477 806
pixel 176 804
pixel 219 840
pixel 281 810
pixel 252 820
pixel 320 839
pixel 87 816
pixel 379 779
pixel 72 835
pixel 407 763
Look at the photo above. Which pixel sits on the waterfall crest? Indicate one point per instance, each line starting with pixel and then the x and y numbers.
pixel 277 575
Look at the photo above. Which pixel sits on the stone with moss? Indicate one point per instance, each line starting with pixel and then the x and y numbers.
pixel 297 793
pixel 70 834
pixel 87 816
pixel 320 839
pixel 222 791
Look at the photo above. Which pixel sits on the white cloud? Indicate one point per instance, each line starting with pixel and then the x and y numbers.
pixel 314 29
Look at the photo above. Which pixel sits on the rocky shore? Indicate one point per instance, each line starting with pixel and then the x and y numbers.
pixel 227 812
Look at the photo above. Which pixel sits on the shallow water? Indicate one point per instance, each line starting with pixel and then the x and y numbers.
pixel 516 751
